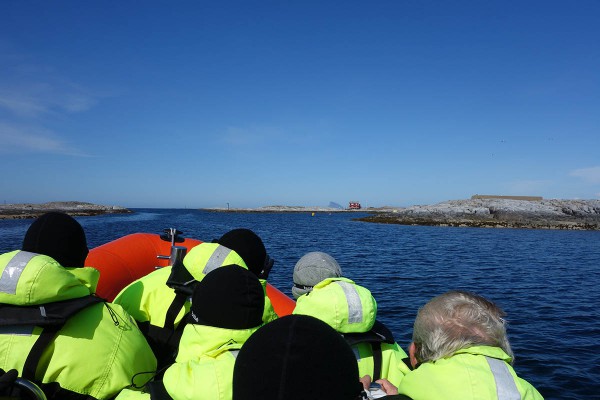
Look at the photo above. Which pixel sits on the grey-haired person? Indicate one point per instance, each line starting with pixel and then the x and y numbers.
pixel 460 350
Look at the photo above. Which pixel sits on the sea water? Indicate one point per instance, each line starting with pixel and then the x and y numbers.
pixel 546 280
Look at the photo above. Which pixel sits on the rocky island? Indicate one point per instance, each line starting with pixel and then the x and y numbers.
pixel 494 212
pixel 74 208
pixel 498 213
pixel 479 211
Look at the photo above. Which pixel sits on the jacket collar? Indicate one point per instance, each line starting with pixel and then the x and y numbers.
pixel 488 351
pixel 202 340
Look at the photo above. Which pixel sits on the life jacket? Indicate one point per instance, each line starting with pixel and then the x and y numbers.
pixel 50 320
pixel 351 310
pixel 203 368
pixel 375 337
pixel 160 300
pixel 49 316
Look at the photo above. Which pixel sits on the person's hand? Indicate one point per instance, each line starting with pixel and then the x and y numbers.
pixel 366 381
pixel 387 386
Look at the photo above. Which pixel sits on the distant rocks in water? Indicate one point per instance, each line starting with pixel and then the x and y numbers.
pixel 74 208
pixel 499 213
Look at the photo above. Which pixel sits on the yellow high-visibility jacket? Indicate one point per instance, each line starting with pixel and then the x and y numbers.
pixel 97 352
pixel 351 309
pixel 475 373
pixel 148 299
pixel 204 366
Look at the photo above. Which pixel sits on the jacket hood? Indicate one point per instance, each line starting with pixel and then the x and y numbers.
pixel 342 304
pixel 201 340
pixel 32 279
pixel 206 257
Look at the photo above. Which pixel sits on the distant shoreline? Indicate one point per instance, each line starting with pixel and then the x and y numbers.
pixel 480 213
pixel 294 209
pixel 73 208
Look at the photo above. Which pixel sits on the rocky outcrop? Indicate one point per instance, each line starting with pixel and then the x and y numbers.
pixel 499 213
pixel 74 208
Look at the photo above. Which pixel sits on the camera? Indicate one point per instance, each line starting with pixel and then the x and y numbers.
pixel 375 391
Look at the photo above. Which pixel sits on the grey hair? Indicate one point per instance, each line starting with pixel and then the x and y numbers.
pixel 456 320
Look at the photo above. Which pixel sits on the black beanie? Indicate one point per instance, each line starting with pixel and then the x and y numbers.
pixel 228 297
pixel 296 357
pixel 59 236
pixel 248 245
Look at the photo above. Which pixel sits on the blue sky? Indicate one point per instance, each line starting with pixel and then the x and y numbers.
pixel 200 104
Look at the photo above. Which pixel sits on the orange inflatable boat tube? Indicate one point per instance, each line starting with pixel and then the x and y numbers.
pixel 130 257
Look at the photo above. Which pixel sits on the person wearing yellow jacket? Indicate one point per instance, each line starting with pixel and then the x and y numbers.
pixel 53 330
pixel 252 250
pixel 159 309
pixel 351 310
pixel 460 351
pixel 227 307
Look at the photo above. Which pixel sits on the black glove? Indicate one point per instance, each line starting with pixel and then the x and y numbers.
pixel 7 379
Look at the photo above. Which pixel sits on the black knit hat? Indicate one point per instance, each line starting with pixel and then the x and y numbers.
pixel 59 236
pixel 228 297
pixel 296 357
pixel 248 245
